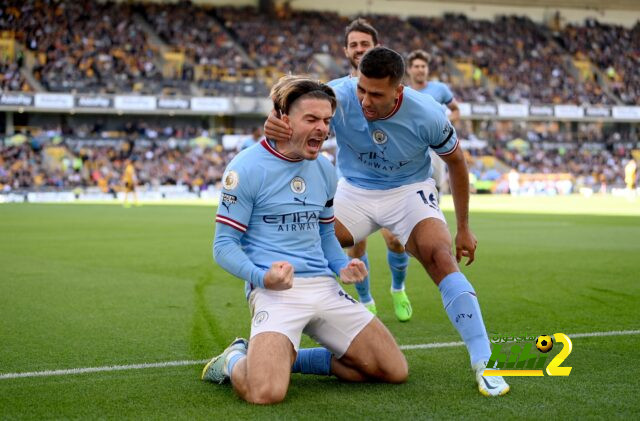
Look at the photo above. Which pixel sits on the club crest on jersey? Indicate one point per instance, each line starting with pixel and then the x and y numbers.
pixel 230 180
pixel 298 185
pixel 379 137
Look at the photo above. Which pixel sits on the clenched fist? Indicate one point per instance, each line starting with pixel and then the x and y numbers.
pixel 279 276
pixel 354 272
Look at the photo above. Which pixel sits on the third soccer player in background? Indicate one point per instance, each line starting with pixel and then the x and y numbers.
pixel 418 71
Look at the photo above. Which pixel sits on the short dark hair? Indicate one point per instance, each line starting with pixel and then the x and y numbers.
pixel 382 62
pixel 418 55
pixel 360 25
pixel 291 88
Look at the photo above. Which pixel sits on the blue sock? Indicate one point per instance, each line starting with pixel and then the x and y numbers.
pixel 233 360
pixel 398 263
pixel 460 303
pixel 364 293
pixel 313 361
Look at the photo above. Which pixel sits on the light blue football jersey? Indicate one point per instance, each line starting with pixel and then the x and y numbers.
pixel 439 91
pixel 333 83
pixel 336 82
pixel 247 143
pixel 274 207
pixel 394 151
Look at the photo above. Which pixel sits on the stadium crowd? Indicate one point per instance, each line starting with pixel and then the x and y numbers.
pixel 185 155
pixel 66 166
pixel 84 46
pixel 589 156
pixel 107 47
pixel 519 57
pixel 112 47
pixel 286 42
pixel 11 79
pixel 615 50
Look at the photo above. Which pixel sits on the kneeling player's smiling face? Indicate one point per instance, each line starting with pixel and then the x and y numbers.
pixel 309 120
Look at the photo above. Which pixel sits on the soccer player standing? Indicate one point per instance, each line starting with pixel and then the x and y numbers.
pixel 130 180
pixel 359 38
pixel 418 70
pixel 275 230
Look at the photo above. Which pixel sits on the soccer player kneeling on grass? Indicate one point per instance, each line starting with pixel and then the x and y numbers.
pixel 274 229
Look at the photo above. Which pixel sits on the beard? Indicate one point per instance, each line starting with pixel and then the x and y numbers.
pixel 353 62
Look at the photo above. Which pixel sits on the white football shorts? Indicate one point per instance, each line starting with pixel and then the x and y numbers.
pixel 317 306
pixel 399 210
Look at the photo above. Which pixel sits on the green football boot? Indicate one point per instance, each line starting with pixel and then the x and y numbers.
pixel 371 306
pixel 401 306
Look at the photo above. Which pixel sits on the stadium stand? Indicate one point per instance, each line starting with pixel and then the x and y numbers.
pixel 105 48
pixel 166 155
pixel 84 46
pixel 185 49
pixel 11 79
pixel 615 51
pixel 65 167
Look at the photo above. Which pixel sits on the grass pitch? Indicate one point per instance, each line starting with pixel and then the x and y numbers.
pixel 92 286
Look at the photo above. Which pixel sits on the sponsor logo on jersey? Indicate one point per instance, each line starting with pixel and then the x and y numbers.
pixel 296 221
pixel 228 200
pixel 376 160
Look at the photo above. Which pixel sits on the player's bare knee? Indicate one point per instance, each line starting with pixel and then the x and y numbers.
pixel 395 370
pixel 395 245
pixel 267 394
pixel 401 375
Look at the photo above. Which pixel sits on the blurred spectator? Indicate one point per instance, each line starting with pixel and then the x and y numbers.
pixel 89 46
pixel 613 49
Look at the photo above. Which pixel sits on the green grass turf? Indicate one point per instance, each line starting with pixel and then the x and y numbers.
pixel 88 286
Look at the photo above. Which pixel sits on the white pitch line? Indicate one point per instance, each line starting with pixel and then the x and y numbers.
pixel 48 373
pixel 431 345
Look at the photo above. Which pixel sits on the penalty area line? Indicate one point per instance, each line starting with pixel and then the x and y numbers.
pixel 71 371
